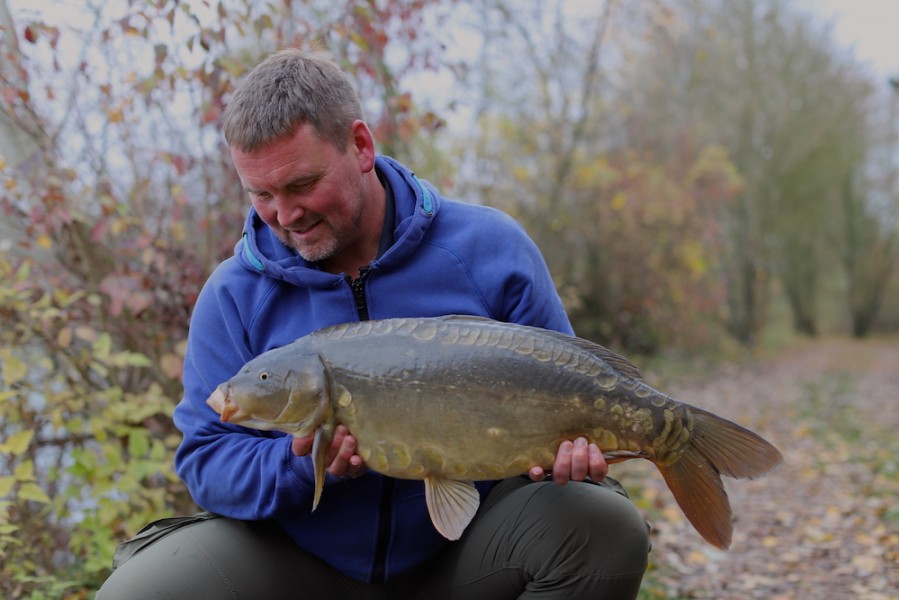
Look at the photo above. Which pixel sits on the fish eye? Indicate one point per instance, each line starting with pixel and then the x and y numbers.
pixel 263 376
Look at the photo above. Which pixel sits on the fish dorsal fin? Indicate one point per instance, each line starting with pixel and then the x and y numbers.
pixel 471 318
pixel 452 505
pixel 618 362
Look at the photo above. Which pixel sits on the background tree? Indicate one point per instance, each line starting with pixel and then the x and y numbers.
pixel 763 80
pixel 629 232
pixel 870 205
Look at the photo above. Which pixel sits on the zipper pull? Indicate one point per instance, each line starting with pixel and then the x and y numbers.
pixel 358 287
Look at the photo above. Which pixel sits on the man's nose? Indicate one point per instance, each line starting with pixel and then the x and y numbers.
pixel 289 210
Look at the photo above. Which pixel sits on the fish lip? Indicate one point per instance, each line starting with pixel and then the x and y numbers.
pixel 221 403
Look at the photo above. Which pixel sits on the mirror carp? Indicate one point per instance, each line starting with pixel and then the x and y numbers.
pixel 457 399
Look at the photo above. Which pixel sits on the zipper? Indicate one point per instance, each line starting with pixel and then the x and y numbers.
pixel 382 542
pixel 358 287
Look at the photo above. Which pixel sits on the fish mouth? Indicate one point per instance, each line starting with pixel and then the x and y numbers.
pixel 221 403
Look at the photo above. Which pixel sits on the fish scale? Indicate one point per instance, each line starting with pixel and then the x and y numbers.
pixel 457 399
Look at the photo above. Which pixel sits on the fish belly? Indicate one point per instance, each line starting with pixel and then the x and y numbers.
pixel 474 437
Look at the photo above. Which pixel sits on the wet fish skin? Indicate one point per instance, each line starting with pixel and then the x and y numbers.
pixel 452 400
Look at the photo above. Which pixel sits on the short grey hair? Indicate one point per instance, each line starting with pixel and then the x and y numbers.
pixel 289 89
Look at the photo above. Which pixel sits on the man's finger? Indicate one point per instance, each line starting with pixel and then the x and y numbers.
pixel 598 466
pixel 562 465
pixel 580 460
pixel 341 461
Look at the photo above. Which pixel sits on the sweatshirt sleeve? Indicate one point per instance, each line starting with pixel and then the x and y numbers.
pixel 230 470
pixel 522 289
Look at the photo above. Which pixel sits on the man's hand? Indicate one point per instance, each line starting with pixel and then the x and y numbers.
pixel 341 456
pixel 574 462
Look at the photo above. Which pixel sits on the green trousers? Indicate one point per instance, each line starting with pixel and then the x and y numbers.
pixel 528 540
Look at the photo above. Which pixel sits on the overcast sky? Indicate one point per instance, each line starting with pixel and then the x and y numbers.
pixel 869 27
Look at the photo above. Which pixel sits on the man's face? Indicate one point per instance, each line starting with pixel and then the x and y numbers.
pixel 308 192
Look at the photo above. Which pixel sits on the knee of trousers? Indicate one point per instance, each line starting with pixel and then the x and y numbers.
pixel 582 527
pixel 218 558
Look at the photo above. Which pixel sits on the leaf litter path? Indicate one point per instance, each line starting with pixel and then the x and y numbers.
pixel 823 526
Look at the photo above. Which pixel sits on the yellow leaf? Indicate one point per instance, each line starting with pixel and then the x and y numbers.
pixel 672 514
pixel 86 333
pixel 44 241
pixel 694 257
pixel 697 558
pixel 17 443
pixel 865 539
pixel 64 337
pixel 866 564
pixel 24 471
pixel 24 271
pixel 99 368
pixel 618 201
pixel 118 226
pixel 179 232
pixel 102 345
pixel 14 370
pixel 6 483
pixel 32 491
pixel 521 173
pixel 138 442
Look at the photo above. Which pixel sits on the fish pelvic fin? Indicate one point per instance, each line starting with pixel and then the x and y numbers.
pixel 716 447
pixel 452 505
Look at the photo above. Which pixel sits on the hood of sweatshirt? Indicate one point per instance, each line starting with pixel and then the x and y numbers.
pixel 416 203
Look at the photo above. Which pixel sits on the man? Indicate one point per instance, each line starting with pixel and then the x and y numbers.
pixel 337 234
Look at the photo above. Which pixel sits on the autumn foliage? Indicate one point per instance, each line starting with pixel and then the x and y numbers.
pixel 117 200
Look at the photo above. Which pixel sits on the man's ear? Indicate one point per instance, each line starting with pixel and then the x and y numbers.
pixel 363 144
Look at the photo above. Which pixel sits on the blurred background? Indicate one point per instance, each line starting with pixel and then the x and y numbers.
pixel 706 178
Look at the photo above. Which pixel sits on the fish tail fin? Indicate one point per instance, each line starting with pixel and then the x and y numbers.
pixel 733 450
pixel 716 447
pixel 698 490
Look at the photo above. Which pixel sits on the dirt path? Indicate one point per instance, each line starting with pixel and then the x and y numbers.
pixel 824 526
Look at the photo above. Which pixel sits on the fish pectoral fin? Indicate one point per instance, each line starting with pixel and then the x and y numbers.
pixel 320 444
pixel 452 505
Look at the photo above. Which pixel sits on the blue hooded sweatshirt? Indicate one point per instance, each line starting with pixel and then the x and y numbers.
pixel 446 257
